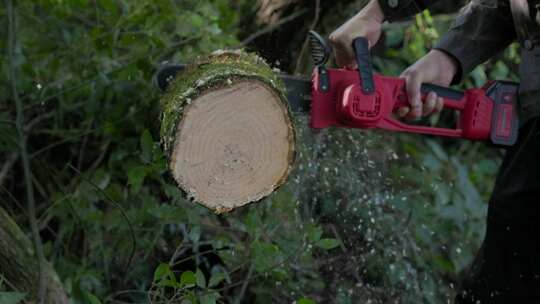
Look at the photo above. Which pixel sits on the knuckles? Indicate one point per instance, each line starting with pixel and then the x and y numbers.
pixel 336 39
pixel 410 73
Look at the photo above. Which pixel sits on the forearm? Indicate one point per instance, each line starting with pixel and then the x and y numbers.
pixel 367 23
pixel 351 29
pixel 479 33
pixel 372 10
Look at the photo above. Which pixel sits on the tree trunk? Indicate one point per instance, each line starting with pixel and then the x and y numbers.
pixel 227 131
pixel 19 266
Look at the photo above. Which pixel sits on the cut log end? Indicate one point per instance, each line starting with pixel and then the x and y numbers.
pixel 233 145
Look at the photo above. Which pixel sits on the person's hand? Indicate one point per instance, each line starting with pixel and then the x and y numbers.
pixel 367 23
pixel 436 67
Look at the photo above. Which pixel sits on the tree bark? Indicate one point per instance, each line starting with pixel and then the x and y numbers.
pixel 19 265
pixel 227 131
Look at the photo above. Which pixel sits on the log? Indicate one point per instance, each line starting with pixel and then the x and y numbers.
pixel 19 267
pixel 227 131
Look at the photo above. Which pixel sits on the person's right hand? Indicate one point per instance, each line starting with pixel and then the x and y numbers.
pixel 436 67
pixel 367 23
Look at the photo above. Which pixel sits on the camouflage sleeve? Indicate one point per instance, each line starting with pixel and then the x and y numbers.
pixel 395 10
pixel 483 28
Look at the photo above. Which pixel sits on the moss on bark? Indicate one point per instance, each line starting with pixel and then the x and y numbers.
pixel 19 266
pixel 218 69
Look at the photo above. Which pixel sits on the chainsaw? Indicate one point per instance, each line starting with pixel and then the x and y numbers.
pixel 361 99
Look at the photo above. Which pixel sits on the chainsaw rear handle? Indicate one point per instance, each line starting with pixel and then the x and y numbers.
pixel 452 98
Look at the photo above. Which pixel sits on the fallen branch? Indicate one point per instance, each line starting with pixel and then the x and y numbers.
pixel 19 265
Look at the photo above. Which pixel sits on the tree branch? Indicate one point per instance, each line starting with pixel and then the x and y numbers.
pixel 245 285
pixel 305 44
pixel 272 27
pixel 31 205
pixel 7 166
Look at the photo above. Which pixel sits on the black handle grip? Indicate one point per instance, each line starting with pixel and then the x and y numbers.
pixel 363 59
pixel 443 92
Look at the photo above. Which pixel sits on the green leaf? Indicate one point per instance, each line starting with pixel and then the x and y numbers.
pixel 162 271
pixel 314 233
pixel 195 234
pixel 101 178
pixel 147 146
pixel 136 177
pixel 305 301
pixel 209 298
pixel 11 297
pixel 216 278
pixel 109 5
pixel 92 298
pixel 444 264
pixel 328 243
pixel 201 280
pixel 253 223
pixel 265 255
pixel 188 279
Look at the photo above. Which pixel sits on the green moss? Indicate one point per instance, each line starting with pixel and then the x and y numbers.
pixel 219 69
pixel 19 266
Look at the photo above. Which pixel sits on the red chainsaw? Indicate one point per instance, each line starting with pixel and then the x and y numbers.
pixel 361 99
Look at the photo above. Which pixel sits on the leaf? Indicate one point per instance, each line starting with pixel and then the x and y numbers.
pixel 167 214
pixel 328 243
pixel 162 271
pixel 11 297
pixel 195 234
pixel 314 233
pixel 136 177
pixel 305 301
pixel 265 255
pixel 101 178
pixel 253 223
pixel 188 279
pixel 165 277
pixel 444 264
pixel 209 298
pixel 216 278
pixel 109 5
pixel 147 146
pixel 201 280
pixel 92 298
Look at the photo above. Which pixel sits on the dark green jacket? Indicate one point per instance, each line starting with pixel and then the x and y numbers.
pixel 484 28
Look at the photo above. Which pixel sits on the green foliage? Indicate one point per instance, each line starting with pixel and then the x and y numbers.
pixel 365 216
pixel 11 297
pixel 305 301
